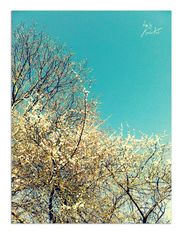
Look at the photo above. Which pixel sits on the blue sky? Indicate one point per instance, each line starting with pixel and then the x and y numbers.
pixel 132 73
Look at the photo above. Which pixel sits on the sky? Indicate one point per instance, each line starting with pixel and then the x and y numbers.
pixel 130 54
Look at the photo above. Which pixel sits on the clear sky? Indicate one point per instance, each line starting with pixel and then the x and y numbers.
pixel 132 72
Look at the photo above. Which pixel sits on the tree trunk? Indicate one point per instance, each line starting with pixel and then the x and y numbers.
pixel 144 220
pixel 50 207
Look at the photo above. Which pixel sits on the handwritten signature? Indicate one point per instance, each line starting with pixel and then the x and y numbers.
pixel 149 29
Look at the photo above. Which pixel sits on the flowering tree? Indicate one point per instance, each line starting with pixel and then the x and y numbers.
pixel 65 168
pixel 45 72
pixel 138 180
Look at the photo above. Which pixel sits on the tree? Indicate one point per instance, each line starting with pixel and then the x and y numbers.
pixel 45 72
pixel 139 181
pixel 65 168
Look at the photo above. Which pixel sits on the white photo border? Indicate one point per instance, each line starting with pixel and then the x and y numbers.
pixel 89 231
